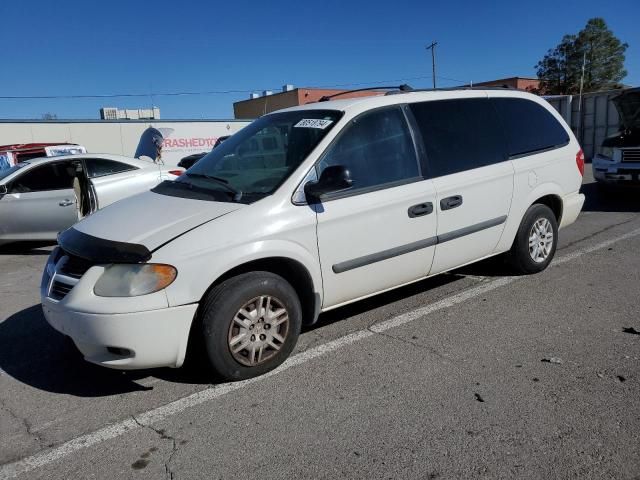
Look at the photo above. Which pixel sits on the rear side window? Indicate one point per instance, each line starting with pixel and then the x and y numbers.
pixel 376 148
pixel 529 126
pixel 52 176
pixel 99 167
pixel 459 134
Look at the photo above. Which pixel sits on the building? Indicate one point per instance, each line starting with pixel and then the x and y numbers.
pixel 522 83
pixel 112 113
pixel 120 137
pixel 261 104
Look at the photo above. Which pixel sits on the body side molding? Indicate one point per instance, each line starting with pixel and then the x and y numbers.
pixel 412 247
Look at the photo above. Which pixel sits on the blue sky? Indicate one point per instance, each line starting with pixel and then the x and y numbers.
pixel 79 47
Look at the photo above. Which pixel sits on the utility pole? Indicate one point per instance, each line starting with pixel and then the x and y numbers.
pixel 579 127
pixel 432 47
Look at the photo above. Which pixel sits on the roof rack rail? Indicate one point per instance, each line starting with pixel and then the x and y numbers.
pixel 400 88
pixel 463 87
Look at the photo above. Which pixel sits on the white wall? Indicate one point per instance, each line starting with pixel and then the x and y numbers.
pixel 182 138
pixel 596 120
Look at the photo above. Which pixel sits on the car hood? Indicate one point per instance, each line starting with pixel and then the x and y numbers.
pixel 151 219
pixel 628 106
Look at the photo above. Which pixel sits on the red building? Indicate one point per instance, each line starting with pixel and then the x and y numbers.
pixel 522 83
pixel 260 105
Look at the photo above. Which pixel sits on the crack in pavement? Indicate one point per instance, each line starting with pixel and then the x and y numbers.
pixel 591 235
pixel 162 433
pixel 25 423
pixel 409 342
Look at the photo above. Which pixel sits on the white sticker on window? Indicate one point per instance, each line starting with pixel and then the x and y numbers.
pixel 313 123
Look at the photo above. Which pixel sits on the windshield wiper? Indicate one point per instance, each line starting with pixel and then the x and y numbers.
pixel 237 194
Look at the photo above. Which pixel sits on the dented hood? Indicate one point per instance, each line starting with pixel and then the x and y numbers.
pixel 138 225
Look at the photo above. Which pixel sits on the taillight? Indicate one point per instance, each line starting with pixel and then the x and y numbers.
pixel 176 172
pixel 580 161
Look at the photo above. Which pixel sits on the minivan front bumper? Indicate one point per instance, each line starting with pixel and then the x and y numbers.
pixel 147 339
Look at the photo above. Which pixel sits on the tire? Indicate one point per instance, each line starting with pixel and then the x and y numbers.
pixel 230 318
pixel 521 256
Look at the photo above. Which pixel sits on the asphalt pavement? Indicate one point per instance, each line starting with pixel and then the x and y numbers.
pixel 470 374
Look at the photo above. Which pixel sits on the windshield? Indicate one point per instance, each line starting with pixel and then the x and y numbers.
pixel 8 171
pixel 254 162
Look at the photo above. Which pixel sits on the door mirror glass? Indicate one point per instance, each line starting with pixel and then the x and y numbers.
pixel 3 190
pixel 333 179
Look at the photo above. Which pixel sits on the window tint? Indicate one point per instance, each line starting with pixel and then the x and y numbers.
pixel 529 126
pixel 98 167
pixel 11 170
pixel 459 134
pixel 52 176
pixel 376 148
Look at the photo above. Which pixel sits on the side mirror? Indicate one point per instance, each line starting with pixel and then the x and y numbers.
pixel 3 190
pixel 333 179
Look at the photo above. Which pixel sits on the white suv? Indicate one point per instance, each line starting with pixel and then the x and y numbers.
pixel 308 209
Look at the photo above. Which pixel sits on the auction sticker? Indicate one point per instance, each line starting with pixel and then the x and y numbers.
pixel 313 123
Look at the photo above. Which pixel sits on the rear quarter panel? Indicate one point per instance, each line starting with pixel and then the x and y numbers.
pixel 111 188
pixel 552 172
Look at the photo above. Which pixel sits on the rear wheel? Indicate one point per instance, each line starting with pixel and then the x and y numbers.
pixel 536 240
pixel 251 323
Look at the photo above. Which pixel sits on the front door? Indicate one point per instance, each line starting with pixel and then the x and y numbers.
pixel 380 233
pixel 40 203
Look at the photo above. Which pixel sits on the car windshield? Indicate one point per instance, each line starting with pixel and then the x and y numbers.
pixel 254 162
pixel 8 171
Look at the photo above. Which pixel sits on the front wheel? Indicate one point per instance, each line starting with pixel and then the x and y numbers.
pixel 250 324
pixel 536 240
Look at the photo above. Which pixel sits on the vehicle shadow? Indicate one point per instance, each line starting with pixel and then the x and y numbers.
pixel 611 198
pixel 383 299
pixel 37 355
pixel 27 248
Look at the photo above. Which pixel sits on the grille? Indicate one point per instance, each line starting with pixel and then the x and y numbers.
pixel 73 266
pixel 69 270
pixel 631 155
pixel 59 290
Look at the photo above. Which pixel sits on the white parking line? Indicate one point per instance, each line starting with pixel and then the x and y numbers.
pixel 12 470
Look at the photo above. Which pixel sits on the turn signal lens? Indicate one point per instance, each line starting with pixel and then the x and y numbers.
pixel 580 161
pixel 176 172
pixel 134 280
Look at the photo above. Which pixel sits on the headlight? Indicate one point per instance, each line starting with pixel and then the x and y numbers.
pixel 133 280
pixel 607 152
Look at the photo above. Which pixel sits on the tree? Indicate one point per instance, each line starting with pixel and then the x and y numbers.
pixel 604 66
pixel 561 68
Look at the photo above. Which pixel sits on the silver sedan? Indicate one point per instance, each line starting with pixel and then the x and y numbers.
pixel 43 196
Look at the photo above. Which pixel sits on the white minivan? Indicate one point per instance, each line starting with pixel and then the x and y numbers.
pixel 308 209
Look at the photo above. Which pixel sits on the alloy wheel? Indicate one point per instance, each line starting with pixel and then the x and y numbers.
pixel 258 331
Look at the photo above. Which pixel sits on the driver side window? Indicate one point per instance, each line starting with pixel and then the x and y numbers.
pixel 51 176
pixel 377 149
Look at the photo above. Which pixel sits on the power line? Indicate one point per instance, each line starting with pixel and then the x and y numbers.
pixel 207 92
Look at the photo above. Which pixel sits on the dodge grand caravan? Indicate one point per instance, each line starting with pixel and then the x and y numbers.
pixel 305 210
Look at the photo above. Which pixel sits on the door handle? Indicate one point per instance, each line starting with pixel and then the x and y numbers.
pixel 420 209
pixel 451 202
pixel 65 203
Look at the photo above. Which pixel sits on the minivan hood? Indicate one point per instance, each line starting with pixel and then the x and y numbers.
pixel 151 219
pixel 628 106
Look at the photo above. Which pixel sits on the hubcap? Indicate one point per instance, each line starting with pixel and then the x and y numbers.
pixel 540 240
pixel 258 331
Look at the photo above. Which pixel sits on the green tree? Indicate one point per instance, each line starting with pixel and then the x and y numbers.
pixel 561 68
